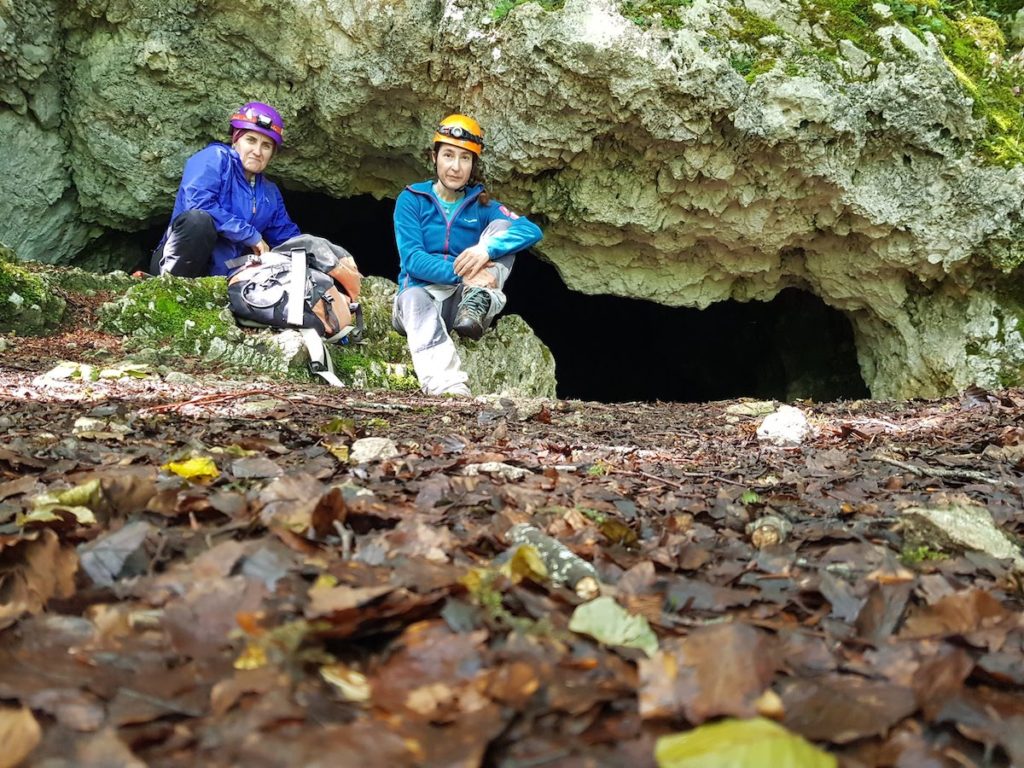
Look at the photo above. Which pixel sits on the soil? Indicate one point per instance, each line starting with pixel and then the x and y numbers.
pixel 233 582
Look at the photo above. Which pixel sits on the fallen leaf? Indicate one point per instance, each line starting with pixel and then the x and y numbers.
pixel 754 743
pixel 608 622
pixel 352 685
pixel 19 735
pixel 198 468
pixel 717 670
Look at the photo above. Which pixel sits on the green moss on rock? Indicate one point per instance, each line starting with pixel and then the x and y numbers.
pixel 186 313
pixel 29 305
pixel 973 45
pixel 643 12
pixel 752 28
pixel 76 280
pixel 503 7
pixel 358 369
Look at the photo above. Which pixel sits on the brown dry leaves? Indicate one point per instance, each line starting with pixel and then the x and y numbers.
pixel 293 605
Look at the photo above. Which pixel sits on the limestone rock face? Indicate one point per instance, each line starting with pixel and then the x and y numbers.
pixel 720 160
pixel 39 213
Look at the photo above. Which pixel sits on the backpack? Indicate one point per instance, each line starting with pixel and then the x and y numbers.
pixel 307 283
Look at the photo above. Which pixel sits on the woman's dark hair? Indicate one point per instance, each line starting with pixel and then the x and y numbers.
pixel 476 176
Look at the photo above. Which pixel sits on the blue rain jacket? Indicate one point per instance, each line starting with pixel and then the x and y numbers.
pixel 428 244
pixel 214 181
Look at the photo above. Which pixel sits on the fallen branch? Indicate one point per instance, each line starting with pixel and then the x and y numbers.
pixel 946 474
pixel 678 486
pixel 210 400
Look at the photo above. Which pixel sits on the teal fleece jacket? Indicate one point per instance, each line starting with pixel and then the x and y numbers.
pixel 428 244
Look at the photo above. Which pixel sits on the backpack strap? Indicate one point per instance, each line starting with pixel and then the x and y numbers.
pixel 297 288
pixel 320 361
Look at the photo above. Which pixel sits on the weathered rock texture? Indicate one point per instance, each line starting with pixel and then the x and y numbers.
pixel 658 169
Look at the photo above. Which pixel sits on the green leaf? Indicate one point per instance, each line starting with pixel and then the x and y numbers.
pixel 755 743
pixel 78 502
pixel 126 369
pixel 608 622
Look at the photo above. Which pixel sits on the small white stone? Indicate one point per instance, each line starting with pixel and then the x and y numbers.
pixel 372 449
pixel 787 426
pixel 499 468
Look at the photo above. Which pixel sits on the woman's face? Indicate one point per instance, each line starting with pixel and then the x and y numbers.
pixel 454 165
pixel 255 149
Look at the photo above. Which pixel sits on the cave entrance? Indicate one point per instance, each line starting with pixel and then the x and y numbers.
pixel 612 349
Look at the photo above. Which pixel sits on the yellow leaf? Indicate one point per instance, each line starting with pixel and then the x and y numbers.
pixel 253 657
pixel 340 451
pixel 234 450
pixel 49 513
pixel 87 495
pixel 525 563
pixel 325 581
pixel 19 735
pixel 474 579
pixel 196 468
pixel 755 743
pixel 340 425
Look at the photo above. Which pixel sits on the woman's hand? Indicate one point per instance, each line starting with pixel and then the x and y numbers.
pixel 471 261
pixel 261 247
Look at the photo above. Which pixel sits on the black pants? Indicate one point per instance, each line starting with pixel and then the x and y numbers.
pixel 186 250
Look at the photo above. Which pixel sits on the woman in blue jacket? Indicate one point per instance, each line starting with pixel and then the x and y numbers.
pixel 457 247
pixel 225 207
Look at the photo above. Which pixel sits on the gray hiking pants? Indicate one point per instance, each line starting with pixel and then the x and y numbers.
pixel 424 315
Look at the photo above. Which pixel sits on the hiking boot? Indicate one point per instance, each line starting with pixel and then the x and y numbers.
pixel 470 318
pixel 458 390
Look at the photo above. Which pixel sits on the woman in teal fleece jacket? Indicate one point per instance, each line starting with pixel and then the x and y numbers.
pixel 457 247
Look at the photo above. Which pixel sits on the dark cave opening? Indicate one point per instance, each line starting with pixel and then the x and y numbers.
pixel 613 349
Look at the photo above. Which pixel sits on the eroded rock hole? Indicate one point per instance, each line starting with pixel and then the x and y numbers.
pixel 613 349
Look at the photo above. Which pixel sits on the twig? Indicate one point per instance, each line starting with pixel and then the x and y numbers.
pixel 346 537
pixel 678 486
pixel 210 399
pixel 164 704
pixel 948 474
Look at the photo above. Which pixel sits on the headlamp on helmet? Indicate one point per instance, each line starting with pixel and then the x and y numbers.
pixel 461 131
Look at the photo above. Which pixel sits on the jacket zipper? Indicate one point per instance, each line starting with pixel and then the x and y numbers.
pixel 448 222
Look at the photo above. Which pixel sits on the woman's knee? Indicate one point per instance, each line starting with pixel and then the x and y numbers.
pixel 195 223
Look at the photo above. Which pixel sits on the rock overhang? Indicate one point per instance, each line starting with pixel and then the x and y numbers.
pixel 659 170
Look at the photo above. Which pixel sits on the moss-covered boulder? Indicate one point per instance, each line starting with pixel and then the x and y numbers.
pixel 76 280
pixel 380 360
pixel 168 318
pixel 509 360
pixel 29 305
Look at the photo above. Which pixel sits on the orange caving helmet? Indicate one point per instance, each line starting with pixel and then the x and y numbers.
pixel 462 131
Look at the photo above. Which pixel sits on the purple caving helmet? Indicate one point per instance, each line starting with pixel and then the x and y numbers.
pixel 260 117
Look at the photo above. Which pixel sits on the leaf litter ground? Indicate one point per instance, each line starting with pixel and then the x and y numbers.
pixel 270 601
